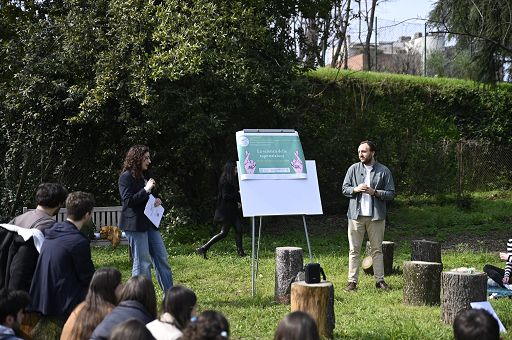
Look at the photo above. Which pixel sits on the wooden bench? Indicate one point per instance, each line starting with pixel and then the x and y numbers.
pixel 101 216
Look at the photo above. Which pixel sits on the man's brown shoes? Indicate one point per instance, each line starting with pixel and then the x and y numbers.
pixel 351 287
pixel 382 286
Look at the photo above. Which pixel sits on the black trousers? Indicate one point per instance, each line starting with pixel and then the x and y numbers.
pixel 495 273
pixel 224 232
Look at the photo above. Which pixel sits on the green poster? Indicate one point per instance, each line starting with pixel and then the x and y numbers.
pixel 270 155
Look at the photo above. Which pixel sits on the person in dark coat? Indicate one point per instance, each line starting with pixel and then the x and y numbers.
pixel 64 268
pixel 18 255
pixel 145 240
pixel 138 301
pixel 228 209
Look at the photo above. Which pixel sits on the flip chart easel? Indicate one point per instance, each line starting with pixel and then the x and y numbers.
pixel 274 197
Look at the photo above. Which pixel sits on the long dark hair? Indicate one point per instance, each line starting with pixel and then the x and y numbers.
pixel 133 160
pixel 100 300
pixel 179 301
pixel 228 173
pixel 141 289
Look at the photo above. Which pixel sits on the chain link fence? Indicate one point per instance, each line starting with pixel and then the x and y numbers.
pixel 483 166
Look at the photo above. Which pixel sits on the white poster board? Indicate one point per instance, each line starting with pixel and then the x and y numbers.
pixel 272 197
pixel 488 307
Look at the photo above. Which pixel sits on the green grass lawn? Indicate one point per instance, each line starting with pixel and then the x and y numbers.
pixel 223 282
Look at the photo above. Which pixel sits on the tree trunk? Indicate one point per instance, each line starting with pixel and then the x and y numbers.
pixel 289 261
pixel 388 249
pixel 316 299
pixel 341 35
pixel 369 33
pixel 427 251
pixel 459 290
pixel 422 283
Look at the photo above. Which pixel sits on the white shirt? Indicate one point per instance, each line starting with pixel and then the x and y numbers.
pixel 366 199
pixel 163 328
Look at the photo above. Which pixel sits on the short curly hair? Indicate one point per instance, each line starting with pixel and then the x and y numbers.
pixel 50 195
pixel 78 204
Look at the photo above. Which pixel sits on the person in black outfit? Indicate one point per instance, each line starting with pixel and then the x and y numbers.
pixel 227 210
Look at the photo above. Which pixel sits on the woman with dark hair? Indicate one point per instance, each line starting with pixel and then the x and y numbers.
pixel 227 210
pixel 135 186
pixel 131 329
pixel 297 326
pixel 100 300
pixel 178 305
pixel 138 301
pixel 499 276
pixel 209 325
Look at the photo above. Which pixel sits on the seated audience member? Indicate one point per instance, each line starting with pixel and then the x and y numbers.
pixel 100 300
pixel 18 254
pixel 498 275
pixel 475 324
pixel 64 268
pixel 177 307
pixel 297 326
pixel 209 325
pixel 12 307
pixel 131 329
pixel 138 301
pixel 49 198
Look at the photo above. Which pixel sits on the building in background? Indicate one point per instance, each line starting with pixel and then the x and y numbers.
pixel 406 55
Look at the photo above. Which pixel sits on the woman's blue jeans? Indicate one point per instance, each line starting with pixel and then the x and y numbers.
pixel 148 247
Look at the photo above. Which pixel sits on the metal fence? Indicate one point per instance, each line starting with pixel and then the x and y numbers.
pixel 483 166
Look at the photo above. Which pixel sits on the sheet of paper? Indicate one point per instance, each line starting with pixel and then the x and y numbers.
pixel 488 307
pixel 154 214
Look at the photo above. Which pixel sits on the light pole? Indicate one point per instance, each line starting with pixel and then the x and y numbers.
pixel 425 51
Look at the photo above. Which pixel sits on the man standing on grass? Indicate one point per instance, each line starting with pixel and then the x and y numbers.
pixel 368 184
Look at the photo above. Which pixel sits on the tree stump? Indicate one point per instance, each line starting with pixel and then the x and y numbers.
pixel 388 249
pixel 289 261
pixel 422 283
pixel 459 289
pixel 316 299
pixel 427 251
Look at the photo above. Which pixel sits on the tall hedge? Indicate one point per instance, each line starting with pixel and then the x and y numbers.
pixel 415 122
pixel 81 81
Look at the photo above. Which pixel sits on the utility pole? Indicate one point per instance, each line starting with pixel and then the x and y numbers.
pixel 376 46
pixel 425 51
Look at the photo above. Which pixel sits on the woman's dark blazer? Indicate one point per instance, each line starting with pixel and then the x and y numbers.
pixel 134 199
pixel 226 209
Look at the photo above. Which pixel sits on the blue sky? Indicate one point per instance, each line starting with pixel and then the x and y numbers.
pixel 393 18
pixel 398 10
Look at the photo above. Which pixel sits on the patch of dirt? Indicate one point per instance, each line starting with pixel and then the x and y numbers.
pixel 494 241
